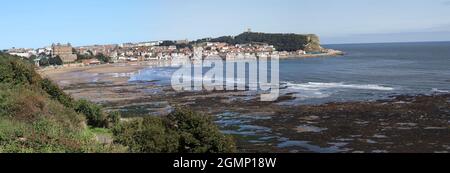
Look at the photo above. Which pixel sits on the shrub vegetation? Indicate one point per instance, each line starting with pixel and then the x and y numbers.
pixel 37 116
pixel 183 131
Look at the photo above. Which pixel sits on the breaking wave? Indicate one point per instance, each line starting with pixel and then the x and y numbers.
pixel 316 90
pixel 435 90
pixel 316 86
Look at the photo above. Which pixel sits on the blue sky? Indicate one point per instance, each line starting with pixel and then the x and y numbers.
pixel 38 23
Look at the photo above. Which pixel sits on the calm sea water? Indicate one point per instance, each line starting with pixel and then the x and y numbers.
pixel 367 72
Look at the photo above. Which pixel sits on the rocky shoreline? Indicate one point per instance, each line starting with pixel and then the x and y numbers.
pixel 401 124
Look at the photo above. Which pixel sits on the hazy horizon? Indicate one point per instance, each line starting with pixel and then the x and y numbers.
pixel 33 24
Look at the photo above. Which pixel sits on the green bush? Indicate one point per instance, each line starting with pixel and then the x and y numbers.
pixel 198 133
pixel 182 131
pixel 17 72
pixel 55 61
pixel 113 119
pixel 56 93
pixel 47 136
pixel 10 130
pixel 103 58
pixel 147 135
pixel 94 114
pixel 36 116
pixel 30 123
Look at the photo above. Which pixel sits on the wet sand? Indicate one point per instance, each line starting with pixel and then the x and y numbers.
pixel 401 124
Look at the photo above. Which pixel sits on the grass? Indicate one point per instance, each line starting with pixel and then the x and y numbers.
pixel 103 131
pixel 36 116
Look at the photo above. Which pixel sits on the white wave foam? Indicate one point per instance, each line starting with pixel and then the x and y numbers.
pixel 435 90
pixel 315 86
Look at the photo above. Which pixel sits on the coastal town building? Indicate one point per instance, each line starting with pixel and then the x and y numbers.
pixel 107 50
pixel 22 52
pixel 91 62
pixel 186 41
pixel 65 52
pixel 161 51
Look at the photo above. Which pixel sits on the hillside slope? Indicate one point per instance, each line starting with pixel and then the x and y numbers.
pixel 35 116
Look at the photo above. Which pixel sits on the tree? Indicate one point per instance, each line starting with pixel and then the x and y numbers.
pixel 168 43
pixel 32 58
pixel 184 45
pixel 81 57
pixel 44 62
pixel 102 58
pixel 55 61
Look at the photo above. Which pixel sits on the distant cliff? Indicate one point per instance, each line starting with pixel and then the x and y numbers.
pixel 282 42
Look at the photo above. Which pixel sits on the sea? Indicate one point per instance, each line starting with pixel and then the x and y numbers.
pixel 367 72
